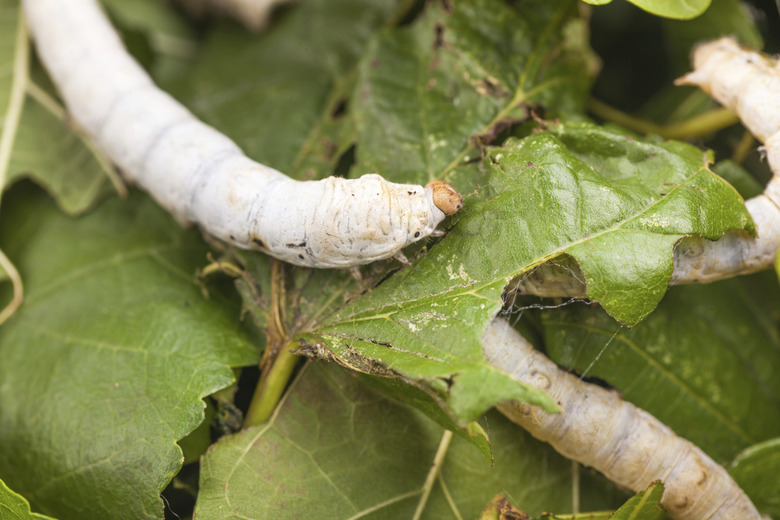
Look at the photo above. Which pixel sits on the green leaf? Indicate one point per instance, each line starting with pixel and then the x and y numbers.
pixel 15 507
pixel 681 10
pixel 645 505
pixel 40 143
pixel 337 449
pixel 777 266
pixel 424 93
pixel 295 78
pixel 510 57
pixel 198 440
pixel 14 62
pixel 671 104
pixel 616 205
pixel 756 469
pixel 704 362
pixel 724 17
pixel 157 19
pixel 410 395
pixel 49 152
pixel 737 176
pixel 105 365
pixel 157 34
pixel 8 27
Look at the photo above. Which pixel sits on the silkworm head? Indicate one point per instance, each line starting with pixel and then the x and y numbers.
pixel 445 197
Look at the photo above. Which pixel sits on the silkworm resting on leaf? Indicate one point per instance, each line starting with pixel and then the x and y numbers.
pixel 201 176
pixel 628 445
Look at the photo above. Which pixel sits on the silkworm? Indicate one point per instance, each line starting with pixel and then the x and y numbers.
pixel 625 443
pixel 201 176
pixel 748 84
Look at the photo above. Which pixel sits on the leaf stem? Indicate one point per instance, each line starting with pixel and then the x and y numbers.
pixel 438 460
pixel 575 487
pixel 745 145
pixel 696 126
pixel 9 129
pixel 272 385
pixel 16 99
pixel 450 500
pixel 278 363
pixel 221 266
pixel 16 281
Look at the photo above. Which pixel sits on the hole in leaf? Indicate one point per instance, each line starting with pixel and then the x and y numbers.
pixel 438 41
pixel 339 109
pixel 345 162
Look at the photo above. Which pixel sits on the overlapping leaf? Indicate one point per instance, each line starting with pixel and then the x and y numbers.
pixel 336 449
pixel 281 95
pixel 755 470
pixel 616 205
pixel 104 367
pixel 667 8
pixel 45 148
pixel 49 152
pixel 425 94
pixel 15 507
pixel 645 505
pixel 485 58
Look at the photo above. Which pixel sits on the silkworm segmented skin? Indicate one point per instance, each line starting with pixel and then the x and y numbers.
pixel 201 176
pixel 628 445
pixel 748 83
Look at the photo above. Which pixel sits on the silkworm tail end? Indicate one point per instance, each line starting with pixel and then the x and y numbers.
pixel 692 78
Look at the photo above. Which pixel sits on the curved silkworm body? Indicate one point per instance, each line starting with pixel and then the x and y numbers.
pixel 201 176
pixel 748 84
pixel 628 445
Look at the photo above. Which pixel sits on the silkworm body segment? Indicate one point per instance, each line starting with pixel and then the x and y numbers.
pixel 628 445
pixel 202 176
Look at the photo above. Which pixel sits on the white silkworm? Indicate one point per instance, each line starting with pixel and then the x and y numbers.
pixel 201 176
pixel 628 445
pixel 748 84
